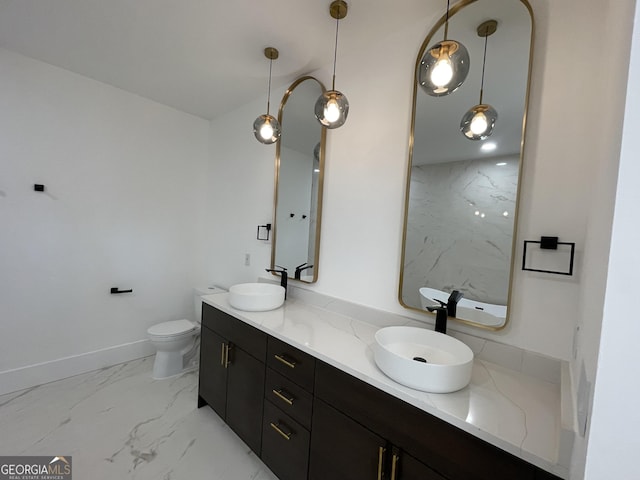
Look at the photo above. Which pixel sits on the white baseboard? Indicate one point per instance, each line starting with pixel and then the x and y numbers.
pixel 45 372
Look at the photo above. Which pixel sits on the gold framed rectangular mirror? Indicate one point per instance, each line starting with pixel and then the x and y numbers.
pixel 462 193
pixel 299 176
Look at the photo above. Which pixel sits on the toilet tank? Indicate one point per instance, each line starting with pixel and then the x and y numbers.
pixel 198 292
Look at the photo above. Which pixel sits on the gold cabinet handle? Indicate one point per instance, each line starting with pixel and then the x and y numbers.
pixel 279 393
pixel 222 354
pixel 277 428
pixel 226 356
pixel 381 451
pixel 394 465
pixel 289 363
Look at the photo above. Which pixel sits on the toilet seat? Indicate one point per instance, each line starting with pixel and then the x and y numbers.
pixel 172 328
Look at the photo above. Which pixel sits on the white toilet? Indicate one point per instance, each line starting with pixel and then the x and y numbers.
pixel 176 341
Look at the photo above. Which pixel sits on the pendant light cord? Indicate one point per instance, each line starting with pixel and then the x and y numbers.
pixel 484 61
pixel 335 54
pixel 269 89
pixel 446 23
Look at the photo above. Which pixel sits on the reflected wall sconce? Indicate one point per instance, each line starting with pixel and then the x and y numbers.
pixel 266 128
pixel 332 107
pixel 444 67
pixel 478 123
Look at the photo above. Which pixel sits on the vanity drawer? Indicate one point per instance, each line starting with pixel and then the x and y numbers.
pixel 292 363
pixel 248 338
pixel 289 397
pixel 285 444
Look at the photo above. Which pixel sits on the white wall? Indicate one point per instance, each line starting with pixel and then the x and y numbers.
pixel 366 168
pixel 124 183
pixel 240 190
pixel 613 435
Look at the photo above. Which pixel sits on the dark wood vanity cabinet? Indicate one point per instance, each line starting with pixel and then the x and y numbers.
pixel 232 373
pixel 307 419
pixel 425 447
pixel 342 448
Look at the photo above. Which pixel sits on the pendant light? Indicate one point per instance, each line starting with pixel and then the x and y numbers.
pixel 444 67
pixel 332 106
pixel 478 122
pixel 266 128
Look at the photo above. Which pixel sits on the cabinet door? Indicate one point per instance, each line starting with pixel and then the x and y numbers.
pixel 213 374
pixel 343 449
pixel 408 468
pixel 245 396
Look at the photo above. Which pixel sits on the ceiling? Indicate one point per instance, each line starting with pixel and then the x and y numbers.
pixel 204 57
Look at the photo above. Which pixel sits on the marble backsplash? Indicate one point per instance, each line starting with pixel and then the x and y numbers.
pixel 530 363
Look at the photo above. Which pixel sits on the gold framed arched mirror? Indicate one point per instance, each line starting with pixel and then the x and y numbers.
pixel 299 175
pixel 462 194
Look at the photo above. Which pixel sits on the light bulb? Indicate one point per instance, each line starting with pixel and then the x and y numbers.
pixel 479 123
pixel 442 72
pixel 332 111
pixel 443 68
pixel 266 131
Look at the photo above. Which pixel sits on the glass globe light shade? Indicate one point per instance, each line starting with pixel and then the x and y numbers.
pixel 266 129
pixel 331 109
pixel 443 68
pixel 478 123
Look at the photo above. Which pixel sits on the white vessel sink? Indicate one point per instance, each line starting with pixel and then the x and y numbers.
pixel 423 359
pixel 256 297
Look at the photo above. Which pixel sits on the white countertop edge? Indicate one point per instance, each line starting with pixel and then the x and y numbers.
pixel 378 380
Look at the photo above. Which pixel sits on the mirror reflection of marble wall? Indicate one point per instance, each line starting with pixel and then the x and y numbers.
pixel 298 193
pixel 461 200
pixel 460 224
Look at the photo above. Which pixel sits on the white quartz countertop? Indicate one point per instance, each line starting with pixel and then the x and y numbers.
pixel 514 411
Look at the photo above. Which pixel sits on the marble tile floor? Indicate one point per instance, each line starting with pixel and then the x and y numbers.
pixel 119 423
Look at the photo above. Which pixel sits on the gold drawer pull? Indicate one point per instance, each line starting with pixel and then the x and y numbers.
pixel 381 451
pixel 289 363
pixel 281 396
pixel 394 465
pixel 277 428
